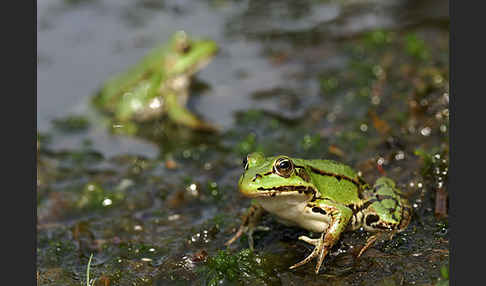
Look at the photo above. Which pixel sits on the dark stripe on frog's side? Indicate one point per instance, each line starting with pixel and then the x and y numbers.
pixel 338 177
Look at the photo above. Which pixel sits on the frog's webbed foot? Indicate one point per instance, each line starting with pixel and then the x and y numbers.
pixel 372 239
pixel 320 251
pixel 249 226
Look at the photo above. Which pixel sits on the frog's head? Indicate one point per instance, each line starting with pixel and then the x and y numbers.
pixel 387 209
pixel 274 176
pixel 187 55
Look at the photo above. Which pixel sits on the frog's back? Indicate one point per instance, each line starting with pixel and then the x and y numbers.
pixel 333 167
pixel 335 181
pixel 129 80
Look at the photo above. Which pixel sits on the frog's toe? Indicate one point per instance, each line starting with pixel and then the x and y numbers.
pixel 319 251
pixel 307 259
pixel 320 259
pixel 249 233
pixel 369 242
pixel 313 241
pixel 239 233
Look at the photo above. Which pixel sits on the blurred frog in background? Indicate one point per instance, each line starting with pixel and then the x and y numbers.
pixel 158 85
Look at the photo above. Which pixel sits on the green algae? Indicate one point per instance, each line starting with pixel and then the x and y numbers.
pixel 71 124
pixel 244 268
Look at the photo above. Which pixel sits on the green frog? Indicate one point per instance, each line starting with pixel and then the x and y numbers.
pixel 159 84
pixel 322 196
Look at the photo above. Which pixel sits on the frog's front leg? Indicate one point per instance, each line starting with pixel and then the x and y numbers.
pixel 340 216
pixel 249 225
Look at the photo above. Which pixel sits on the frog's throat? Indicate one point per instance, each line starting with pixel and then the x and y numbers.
pixel 201 64
pixel 285 191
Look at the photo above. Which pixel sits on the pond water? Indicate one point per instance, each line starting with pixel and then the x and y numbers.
pixel 362 82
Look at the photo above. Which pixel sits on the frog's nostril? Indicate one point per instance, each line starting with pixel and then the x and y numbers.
pixel 256 177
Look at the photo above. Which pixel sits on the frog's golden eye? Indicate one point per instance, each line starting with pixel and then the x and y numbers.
pixel 283 167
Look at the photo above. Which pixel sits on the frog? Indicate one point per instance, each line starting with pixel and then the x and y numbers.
pixel 158 85
pixel 322 196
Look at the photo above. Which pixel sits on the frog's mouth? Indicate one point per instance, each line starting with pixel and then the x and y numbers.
pixel 201 64
pixel 286 191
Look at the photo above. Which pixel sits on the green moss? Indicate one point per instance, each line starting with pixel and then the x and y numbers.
pixel 416 47
pixel 71 124
pixel 96 197
pixel 243 267
pixel 250 116
pixel 444 276
pixel 329 84
pixel 378 38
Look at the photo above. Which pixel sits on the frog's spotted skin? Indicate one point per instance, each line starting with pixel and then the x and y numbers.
pixel 321 196
pixel 159 83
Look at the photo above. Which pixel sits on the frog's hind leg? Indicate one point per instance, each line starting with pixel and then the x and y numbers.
pixel 372 239
pixel 369 242
pixel 340 216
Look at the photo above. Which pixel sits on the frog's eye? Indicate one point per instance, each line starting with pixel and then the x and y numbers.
pixel 245 163
pixel 182 43
pixel 283 167
pixel 186 48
